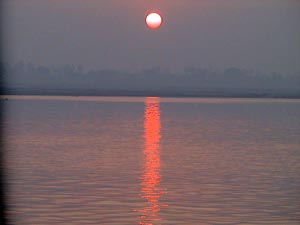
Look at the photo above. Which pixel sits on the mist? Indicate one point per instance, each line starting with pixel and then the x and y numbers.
pixel 201 81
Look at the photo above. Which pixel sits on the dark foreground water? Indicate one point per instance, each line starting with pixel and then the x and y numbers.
pixel 122 161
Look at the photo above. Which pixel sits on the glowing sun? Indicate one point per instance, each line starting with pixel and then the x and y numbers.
pixel 154 20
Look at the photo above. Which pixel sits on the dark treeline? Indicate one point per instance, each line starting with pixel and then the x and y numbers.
pixel 193 81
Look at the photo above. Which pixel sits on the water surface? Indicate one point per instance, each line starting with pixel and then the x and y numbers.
pixel 96 160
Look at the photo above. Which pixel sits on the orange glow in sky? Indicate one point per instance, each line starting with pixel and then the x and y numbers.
pixel 151 191
pixel 154 20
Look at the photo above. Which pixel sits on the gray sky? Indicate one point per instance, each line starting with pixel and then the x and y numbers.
pixel 111 34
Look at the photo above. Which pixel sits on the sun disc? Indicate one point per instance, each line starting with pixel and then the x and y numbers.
pixel 154 20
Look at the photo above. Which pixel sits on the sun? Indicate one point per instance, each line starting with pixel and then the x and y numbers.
pixel 154 20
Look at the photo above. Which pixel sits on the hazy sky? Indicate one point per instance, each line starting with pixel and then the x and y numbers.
pixel 111 34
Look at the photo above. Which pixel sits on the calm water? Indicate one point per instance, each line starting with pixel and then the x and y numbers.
pixel 122 161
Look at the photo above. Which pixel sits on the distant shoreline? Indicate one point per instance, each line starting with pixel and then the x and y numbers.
pixel 124 99
pixel 219 93
pixel 141 98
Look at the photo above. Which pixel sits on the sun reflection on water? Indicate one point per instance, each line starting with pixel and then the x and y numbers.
pixel 151 178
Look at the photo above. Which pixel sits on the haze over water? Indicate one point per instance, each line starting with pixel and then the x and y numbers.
pixel 101 160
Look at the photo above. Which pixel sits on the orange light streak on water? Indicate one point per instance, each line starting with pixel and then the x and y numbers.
pixel 151 191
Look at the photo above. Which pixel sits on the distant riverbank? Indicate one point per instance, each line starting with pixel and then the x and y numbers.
pixel 200 93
